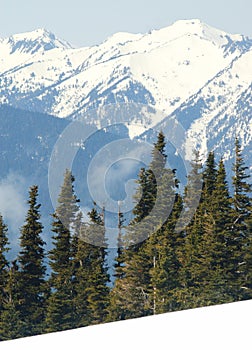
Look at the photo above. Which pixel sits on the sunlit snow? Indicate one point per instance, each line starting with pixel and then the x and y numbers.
pixel 225 327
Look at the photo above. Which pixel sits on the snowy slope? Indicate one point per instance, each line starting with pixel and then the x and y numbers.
pixel 19 48
pixel 163 68
pixel 188 71
pixel 220 112
pixel 211 328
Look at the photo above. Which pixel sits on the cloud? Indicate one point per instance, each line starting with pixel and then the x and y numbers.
pixel 13 205
pixel 113 170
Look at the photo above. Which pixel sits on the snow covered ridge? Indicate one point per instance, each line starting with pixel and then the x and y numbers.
pixel 215 327
pixel 165 67
pixel 189 70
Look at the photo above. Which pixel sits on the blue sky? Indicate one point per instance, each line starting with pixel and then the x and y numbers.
pixel 85 23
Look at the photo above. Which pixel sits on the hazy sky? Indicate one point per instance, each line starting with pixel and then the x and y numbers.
pixel 83 22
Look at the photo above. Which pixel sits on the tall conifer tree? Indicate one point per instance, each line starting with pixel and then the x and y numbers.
pixel 3 261
pixel 133 294
pixel 60 308
pixel 32 269
pixel 240 242
pixel 98 290
pixel 166 245
pixel 214 249
pixel 92 291
pixel 193 227
pixel 12 325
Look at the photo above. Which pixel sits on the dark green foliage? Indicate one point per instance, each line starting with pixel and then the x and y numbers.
pixel 166 269
pixel 119 259
pixel 192 224
pixel 98 291
pixel 12 325
pixel 214 249
pixel 206 255
pixel 91 275
pixel 242 189
pixel 158 161
pixel 82 273
pixel 209 174
pixel 192 193
pixel 240 242
pixel 132 295
pixel 3 261
pixel 31 284
pixel 60 308
pixel 178 252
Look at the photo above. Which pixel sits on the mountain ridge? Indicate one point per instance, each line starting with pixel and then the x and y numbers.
pixel 125 49
pixel 189 71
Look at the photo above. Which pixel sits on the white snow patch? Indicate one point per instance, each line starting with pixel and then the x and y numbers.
pixel 215 327
pixel 135 129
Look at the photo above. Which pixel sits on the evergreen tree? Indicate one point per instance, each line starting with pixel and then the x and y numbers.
pixel 159 156
pixel 211 249
pixel 32 269
pixel 242 189
pixel 98 290
pixel 116 302
pixel 240 242
pixel 60 308
pixel 192 193
pixel 119 260
pixel 133 294
pixel 209 176
pixel 83 259
pixel 157 195
pixel 144 203
pixel 3 261
pixel 165 246
pixel 92 291
pixel 12 326
pixel 192 226
pixel 214 250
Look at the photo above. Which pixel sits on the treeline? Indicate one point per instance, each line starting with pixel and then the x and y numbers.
pixel 179 252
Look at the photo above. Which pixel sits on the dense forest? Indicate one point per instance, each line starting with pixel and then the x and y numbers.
pixel 199 254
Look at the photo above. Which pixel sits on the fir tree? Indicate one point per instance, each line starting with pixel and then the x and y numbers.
pixel 98 290
pixel 115 312
pixel 82 277
pixel 209 176
pixel 12 325
pixel 119 260
pixel 166 272
pixel 242 190
pixel 192 226
pixel 240 242
pixel 91 275
pixel 133 294
pixel 60 308
pixel 159 156
pixel 3 261
pixel 32 268
pixel 214 250
pixel 192 193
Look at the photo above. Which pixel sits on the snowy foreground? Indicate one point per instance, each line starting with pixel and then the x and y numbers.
pixel 216 327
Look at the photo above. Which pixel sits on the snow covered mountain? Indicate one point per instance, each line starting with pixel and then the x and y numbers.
pixel 190 71
pixel 163 68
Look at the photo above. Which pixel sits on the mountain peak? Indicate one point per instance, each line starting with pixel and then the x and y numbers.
pixel 38 40
pixel 195 27
pixel 122 38
pixel 186 22
pixel 41 32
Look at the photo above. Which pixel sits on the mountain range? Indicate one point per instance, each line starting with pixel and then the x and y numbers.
pixel 188 73
pixel 189 70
